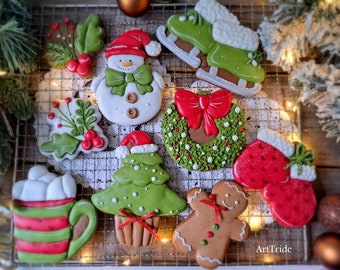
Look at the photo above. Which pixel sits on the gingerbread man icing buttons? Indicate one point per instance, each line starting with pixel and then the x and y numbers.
pixel 213 223
pixel 203 131
pixel 130 92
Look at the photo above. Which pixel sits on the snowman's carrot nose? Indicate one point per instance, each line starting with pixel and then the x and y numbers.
pixel 126 63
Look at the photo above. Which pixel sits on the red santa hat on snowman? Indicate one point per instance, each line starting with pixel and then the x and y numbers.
pixel 132 42
pixel 135 142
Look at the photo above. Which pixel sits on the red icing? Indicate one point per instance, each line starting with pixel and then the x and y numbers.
pixel 42 248
pixel 194 107
pixel 217 208
pixel 42 204
pixel 137 137
pixel 140 220
pixel 262 167
pixel 41 224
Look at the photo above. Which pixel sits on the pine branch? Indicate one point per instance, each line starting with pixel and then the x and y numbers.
pixel 58 54
pixel 18 48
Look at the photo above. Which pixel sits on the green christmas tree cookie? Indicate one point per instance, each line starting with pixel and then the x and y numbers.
pixel 140 193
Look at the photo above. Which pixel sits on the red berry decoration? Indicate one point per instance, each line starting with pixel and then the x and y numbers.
pixel 55 104
pixel 98 142
pixel 86 144
pixel 51 115
pixel 54 26
pixel 85 59
pixel 84 70
pixel 91 134
pixel 66 21
pixel 72 65
pixel 68 99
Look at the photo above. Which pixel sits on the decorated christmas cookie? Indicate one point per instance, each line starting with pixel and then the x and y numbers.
pixel 203 131
pixel 74 129
pixel 49 225
pixel 213 223
pixel 129 93
pixel 140 194
pixel 283 171
pixel 211 40
pixel 72 46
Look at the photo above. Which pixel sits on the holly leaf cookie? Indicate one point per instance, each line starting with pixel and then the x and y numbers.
pixel 72 46
pixel 283 172
pixel 75 129
pixel 203 131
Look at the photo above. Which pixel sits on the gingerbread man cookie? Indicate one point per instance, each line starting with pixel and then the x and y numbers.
pixel 213 223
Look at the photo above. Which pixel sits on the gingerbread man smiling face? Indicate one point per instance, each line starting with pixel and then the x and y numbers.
pixel 213 223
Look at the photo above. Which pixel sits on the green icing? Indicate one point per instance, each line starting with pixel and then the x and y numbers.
pixel 194 29
pixel 139 200
pixel 140 188
pixel 89 35
pixel 45 212
pixel 42 237
pixel 60 145
pixel 237 62
pixel 215 154
pixel 40 258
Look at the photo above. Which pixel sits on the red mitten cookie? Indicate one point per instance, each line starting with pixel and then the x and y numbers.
pixel 281 170
pixel 292 204
pixel 213 223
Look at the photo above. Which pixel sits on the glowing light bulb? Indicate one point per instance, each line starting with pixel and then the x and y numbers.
pixel 255 223
pixel 2 73
pixel 126 262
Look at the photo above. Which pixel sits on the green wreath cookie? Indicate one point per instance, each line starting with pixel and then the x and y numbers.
pixel 203 131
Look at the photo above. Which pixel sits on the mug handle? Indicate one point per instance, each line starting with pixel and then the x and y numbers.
pixel 82 207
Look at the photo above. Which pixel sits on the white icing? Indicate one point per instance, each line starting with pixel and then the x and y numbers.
pixel 141 208
pixel 136 168
pixel 235 35
pixel 135 194
pixel 122 152
pixel 276 140
pixel 242 234
pixel 215 148
pixel 184 243
pixel 210 260
pixel 153 179
pixel 308 173
pixel 235 138
pixel 237 109
pixel 144 148
pixel 114 107
pixel 169 111
pixel 237 189
pixel 114 200
pixel 154 170
pixel 183 135
pixel 195 167
pixel 33 189
pixel 227 149
pixel 153 48
pixel 190 199
pixel 211 11
pixel 210 159
pixel 226 124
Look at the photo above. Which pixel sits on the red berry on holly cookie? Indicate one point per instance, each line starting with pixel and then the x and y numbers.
pixel 283 171
pixel 72 65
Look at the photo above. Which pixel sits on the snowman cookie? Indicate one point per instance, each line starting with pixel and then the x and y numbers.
pixel 130 93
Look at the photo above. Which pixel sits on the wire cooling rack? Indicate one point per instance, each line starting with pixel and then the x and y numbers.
pixel 274 107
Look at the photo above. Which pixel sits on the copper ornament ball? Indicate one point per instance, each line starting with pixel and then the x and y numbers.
pixel 133 8
pixel 327 250
pixel 329 213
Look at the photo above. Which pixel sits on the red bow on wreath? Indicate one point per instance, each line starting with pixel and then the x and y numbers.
pixel 194 107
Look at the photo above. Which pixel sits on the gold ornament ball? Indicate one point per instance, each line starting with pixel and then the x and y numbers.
pixel 327 250
pixel 133 8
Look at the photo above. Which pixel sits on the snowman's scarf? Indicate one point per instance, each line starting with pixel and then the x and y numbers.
pixel 119 80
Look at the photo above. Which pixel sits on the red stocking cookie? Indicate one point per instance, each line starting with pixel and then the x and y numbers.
pixel 282 171
pixel 213 223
